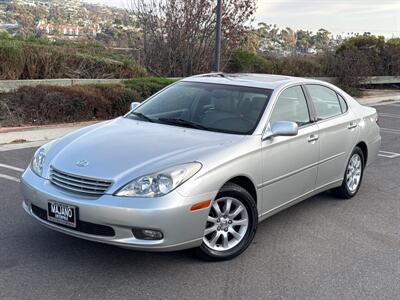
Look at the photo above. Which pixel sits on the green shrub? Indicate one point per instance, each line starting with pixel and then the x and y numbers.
pixel 245 61
pixel 143 88
pixel 303 66
pixel 54 104
pixel 4 35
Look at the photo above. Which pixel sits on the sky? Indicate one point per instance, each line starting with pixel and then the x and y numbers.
pixel 380 17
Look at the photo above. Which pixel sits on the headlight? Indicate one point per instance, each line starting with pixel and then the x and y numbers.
pixel 161 183
pixel 39 158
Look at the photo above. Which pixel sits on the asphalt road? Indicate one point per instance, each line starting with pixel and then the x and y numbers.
pixel 322 248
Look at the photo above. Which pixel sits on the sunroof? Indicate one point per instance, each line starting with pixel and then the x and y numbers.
pixel 260 77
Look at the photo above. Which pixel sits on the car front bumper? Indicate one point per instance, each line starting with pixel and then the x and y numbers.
pixel 170 214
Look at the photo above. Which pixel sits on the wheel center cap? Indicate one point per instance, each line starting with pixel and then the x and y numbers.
pixel 224 222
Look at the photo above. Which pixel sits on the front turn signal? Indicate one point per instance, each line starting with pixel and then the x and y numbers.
pixel 200 205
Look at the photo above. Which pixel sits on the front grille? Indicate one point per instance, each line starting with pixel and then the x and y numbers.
pixel 81 226
pixel 79 184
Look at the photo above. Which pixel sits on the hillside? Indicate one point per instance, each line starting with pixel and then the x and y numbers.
pixel 69 20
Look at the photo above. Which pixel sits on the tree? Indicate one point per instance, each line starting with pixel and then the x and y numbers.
pixel 321 39
pixel 304 40
pixel 391 55
pixel 178 35
pixel 367 48
pixel 288 38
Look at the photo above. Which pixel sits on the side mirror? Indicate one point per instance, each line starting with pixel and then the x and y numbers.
pixel 282 128
pixel 134 105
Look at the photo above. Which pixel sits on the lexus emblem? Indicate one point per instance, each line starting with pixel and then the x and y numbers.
pixel 82 163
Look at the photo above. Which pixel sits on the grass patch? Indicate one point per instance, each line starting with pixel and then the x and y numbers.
pixel 42 59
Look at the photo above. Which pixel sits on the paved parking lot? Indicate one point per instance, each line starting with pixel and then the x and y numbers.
pixel 322 248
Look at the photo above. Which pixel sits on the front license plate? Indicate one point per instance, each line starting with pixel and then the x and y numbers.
pixel 61 213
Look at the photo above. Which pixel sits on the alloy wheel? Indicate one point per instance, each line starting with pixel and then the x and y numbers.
pixel 227 224
pixel 353 173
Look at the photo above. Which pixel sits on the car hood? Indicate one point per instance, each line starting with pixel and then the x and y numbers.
pixel 129 148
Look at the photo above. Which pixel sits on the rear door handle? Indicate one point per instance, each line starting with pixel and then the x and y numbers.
pixel 352 125
pixel 313 138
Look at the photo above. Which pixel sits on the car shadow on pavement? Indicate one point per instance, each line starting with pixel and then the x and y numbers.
pixel 69 248
pixel 48 245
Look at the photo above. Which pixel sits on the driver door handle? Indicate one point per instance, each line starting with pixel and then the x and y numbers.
pixel 313 138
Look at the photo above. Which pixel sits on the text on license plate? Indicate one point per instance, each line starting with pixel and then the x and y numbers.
pixel 61 213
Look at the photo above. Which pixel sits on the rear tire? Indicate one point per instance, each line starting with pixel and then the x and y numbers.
pixel 228 232
pixel 352 176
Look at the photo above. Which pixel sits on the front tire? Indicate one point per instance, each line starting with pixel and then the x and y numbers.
pixel 231 224
pixel 352 176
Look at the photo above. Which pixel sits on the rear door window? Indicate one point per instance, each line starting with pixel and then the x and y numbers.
pixel 343 103
pixel 325 100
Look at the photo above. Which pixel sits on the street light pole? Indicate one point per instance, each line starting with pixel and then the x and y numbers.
pixel 217 51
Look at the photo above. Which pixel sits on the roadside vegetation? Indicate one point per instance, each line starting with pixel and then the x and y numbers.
pixel 354 60
pixel 39 58
pixel 43 105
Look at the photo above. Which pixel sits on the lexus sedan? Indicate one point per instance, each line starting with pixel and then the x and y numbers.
pixel 200 163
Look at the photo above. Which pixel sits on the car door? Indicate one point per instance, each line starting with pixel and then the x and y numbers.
pixel 289 162
pixel 338 132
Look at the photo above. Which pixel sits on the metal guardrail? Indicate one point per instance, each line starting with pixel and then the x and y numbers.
pixel 372 80
pixel 381 80
pixel 11 85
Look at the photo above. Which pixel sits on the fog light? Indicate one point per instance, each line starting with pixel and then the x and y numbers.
pixel 147 234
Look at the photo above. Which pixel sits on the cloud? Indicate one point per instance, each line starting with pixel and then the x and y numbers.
pixel 321 7
pixel 376 16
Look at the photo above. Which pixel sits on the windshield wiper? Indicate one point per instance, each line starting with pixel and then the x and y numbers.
pixel 182 122
pixel 141 116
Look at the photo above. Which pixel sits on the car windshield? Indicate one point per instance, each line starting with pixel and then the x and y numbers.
pixel 206 106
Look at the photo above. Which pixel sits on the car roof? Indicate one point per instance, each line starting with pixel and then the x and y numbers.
pixel 249 79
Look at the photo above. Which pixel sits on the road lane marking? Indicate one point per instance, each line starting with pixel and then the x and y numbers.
pixel 389 130
pixel 388 154
pixel 389 115
pixel 9 177
pixel 11 167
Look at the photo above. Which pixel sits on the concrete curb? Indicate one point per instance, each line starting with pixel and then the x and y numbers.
pixel 379 96
pixel 16 137
pixel 9 147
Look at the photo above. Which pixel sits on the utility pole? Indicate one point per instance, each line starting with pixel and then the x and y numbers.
pixel 217 50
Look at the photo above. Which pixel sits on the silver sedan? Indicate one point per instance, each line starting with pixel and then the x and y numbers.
pixel 200 163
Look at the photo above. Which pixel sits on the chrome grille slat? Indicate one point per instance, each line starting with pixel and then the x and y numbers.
pixel 78 184
pixel 106 185
pixel 69 188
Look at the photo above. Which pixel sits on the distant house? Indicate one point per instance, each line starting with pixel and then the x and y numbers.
pixel 70 31
pixel 27 2
pixel 46 27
